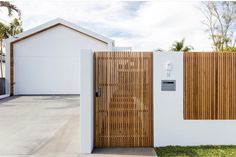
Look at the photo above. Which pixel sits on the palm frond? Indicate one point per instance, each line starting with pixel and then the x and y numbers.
pixel 10 8
pixel 179 46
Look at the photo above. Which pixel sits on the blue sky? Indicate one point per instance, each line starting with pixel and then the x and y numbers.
pixel 143 25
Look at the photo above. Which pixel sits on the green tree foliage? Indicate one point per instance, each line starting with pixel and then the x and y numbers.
pixel 179 46
pixel 220 20
pixel 15 27
pixel 230 49
pixel 11 29
pixel 3 31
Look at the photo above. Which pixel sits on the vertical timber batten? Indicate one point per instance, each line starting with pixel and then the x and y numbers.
pixel 209 86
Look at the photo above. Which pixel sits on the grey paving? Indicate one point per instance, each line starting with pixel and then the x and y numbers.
pixel 121 152
pixel 39 126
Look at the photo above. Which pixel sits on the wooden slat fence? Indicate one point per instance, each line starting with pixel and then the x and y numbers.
pixel 123 112
pixel 209 85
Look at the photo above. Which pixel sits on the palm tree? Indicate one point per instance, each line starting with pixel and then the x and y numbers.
pixel 179 46
pixel 3 35
pixel 7 31
pixel 10 8
pixel 15 27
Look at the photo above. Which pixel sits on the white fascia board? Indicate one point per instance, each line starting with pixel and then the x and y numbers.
pixel 63 22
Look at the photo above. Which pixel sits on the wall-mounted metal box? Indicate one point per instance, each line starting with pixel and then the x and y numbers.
pixel 168 85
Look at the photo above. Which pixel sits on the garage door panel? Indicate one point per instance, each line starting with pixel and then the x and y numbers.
pixel 46 75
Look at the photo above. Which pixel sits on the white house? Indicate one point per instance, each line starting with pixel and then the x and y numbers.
pixel 45 59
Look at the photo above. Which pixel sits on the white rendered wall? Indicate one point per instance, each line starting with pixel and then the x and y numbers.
pixel 48 63
pixel 169 126
pixel 86 102
pixel 3 69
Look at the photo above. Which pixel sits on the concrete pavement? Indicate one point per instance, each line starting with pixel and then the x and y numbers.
pixel 39 126
pixel 48 126
pixel 122 152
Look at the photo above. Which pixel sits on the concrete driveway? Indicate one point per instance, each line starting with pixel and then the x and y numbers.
pixel 48 126
pixel 39 126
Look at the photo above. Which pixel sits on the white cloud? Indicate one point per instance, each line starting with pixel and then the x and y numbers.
pixel 144 26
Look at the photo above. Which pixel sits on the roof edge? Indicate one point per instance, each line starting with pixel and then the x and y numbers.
pixel 54 23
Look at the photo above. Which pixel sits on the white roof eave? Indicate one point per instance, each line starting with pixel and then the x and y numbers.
pixel 63 22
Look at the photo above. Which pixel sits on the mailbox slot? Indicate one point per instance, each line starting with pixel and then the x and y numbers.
pixel 168 85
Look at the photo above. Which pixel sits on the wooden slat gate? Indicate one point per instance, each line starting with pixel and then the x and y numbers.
pixel 123 106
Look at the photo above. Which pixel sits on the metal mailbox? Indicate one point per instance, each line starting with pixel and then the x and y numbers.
pixel 168 85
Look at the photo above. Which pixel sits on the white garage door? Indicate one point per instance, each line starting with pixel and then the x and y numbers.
pixel 46 75
pixel 48 63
